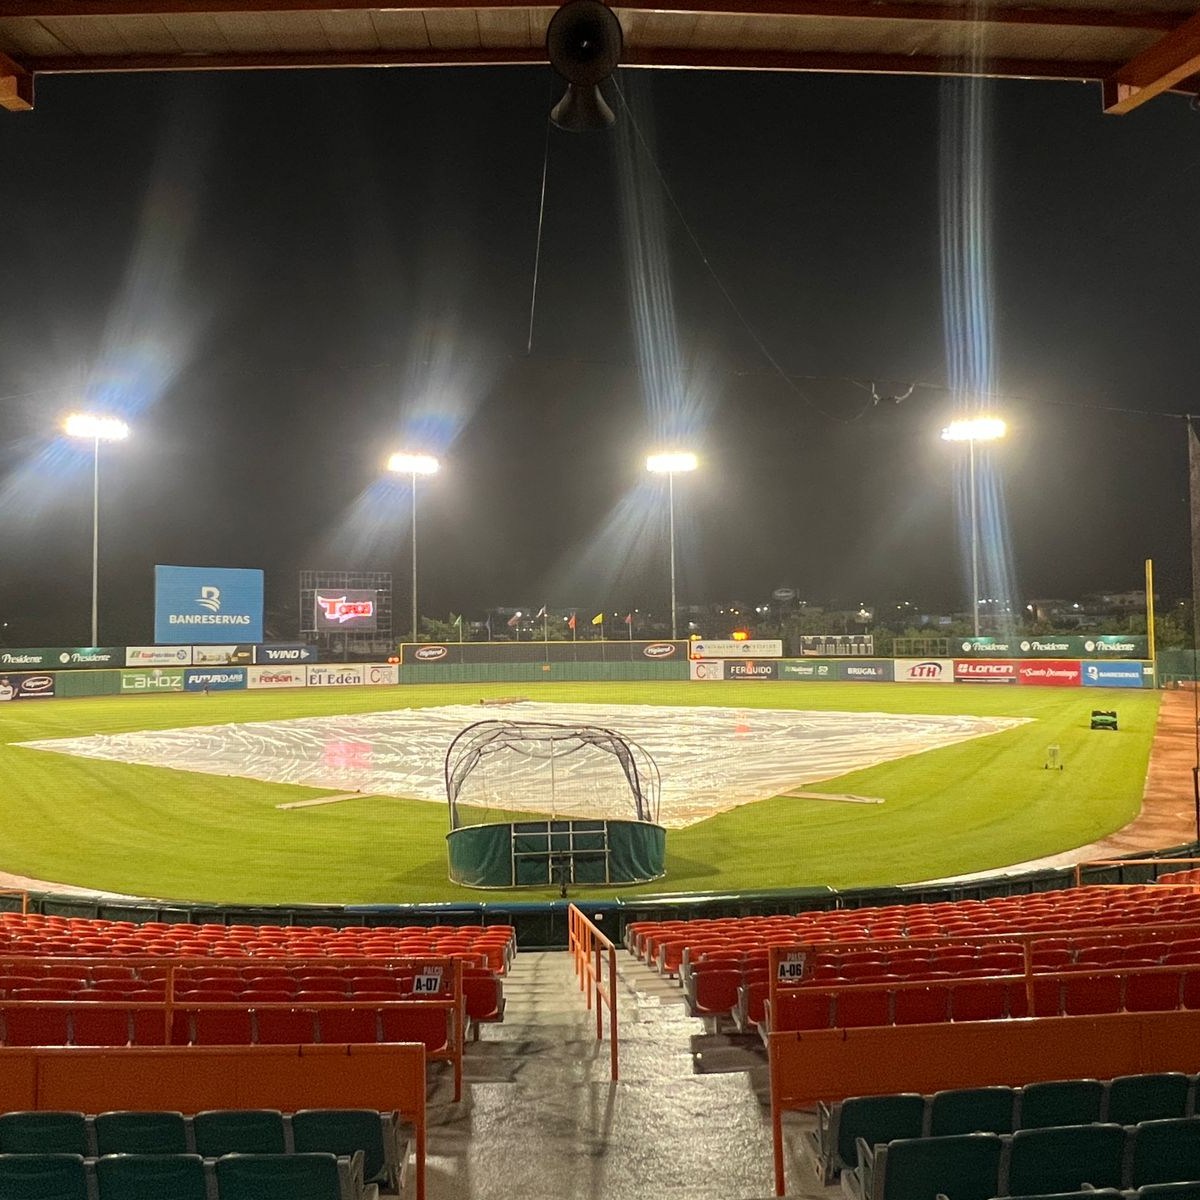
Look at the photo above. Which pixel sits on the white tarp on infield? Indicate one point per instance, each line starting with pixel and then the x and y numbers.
pixel 711 759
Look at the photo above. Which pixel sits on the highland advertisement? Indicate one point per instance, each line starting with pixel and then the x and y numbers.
pixel 207 604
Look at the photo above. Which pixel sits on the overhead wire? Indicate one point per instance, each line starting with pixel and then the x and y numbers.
pixel 734 307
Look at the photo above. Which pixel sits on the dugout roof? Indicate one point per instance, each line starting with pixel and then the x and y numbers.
pixel 1135 48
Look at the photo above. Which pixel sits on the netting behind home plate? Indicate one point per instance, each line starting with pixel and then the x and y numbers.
pixel 558 770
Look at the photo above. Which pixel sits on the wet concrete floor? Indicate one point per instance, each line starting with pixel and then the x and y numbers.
pixel 540 1120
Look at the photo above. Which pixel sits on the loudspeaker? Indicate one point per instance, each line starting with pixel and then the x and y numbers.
pixel 583 43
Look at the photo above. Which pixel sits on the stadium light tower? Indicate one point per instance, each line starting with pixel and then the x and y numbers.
pixel 413 465
pixel 96 429
pixel 972 430
pixel 670 464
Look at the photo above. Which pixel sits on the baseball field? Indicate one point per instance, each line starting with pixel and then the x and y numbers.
pixel 182 796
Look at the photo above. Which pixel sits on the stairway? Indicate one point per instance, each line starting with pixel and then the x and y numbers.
pixel 540 1120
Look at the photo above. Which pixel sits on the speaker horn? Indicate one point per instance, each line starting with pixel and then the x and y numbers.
pixel 583 43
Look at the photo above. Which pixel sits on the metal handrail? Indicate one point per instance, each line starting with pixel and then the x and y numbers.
pixel 589 949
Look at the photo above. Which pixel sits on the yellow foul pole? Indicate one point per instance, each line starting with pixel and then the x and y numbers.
pixel 1150 620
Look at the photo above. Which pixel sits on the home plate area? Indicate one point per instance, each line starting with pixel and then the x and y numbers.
pixel 710 759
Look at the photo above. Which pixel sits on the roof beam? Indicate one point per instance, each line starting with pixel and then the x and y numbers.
pixel 890 10
pixel 1170 61
pixel 16 86
pixel 736 60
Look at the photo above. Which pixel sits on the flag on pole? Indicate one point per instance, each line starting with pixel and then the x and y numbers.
pixel 512 621
pixel 598 619
pixel 541 612
pixel 571 623
pixel 458 621
pixel 629 619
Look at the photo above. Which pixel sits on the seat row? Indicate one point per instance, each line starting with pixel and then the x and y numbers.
pixel 145 1025
pixel 1126 1100
pixel 314 1176
pixel 377 1139
pixel 824 1007
pixel 25 933
pixel 1028 1162
pixel 662 943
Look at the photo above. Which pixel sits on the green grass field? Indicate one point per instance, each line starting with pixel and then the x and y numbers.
pixel 151 831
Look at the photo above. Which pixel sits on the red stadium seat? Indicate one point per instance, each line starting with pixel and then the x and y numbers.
pixel 35 1027
pixel 221 1027
pixel 1090 994
pixel 979 1001
pixel 100 1026
pixel 867 1007
pixel 285 1026
pixel 1158 991
pixel 921 1006
pixel 428 1025
pixel 348 1025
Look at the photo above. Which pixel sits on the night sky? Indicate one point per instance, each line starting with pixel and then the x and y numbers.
pixel 277 278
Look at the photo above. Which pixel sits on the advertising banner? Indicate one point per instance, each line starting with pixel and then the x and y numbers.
pixel 985 670
pixel 1049 673
pixel 1119 645
pixel 706 668
pixel 193 603
pixel 923 670
pixel 1050 646
pixel 152 681
pixel 158 656
pixel 586 650
pixel 58 658
pixel 276 677
pixel 1117 674
pixel 214 679
pixel 285 653
pixel 807 668
pixel 751 670
pixel 380 673
pixel 26 687
pixel 335 675
pixel 873 670
pixel 987 647
pixel 220 656
pixel 352 609
pixel 732 649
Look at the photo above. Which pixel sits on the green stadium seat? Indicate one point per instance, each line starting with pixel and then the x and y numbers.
pixel 151 1177
pixel 972 1110
pixel 239 1131
pixel 43 1133
pixel 1089 1194
pixel 140 1133
pixel 1063 1159
pixel 278 1177
pixel 965 1167
pixel 346 1132
pixel 1166 1151
pixel 874 1120
pixel 1062 1102
pixel 43 1177
pixel 1136 1098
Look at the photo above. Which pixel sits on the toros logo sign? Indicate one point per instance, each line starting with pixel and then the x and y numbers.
pixel 983 670
pixel 342 609
pixel 659 650
pixel 430 653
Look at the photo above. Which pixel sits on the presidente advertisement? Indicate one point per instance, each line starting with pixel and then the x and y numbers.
pixel 197 604
pixel 62 658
